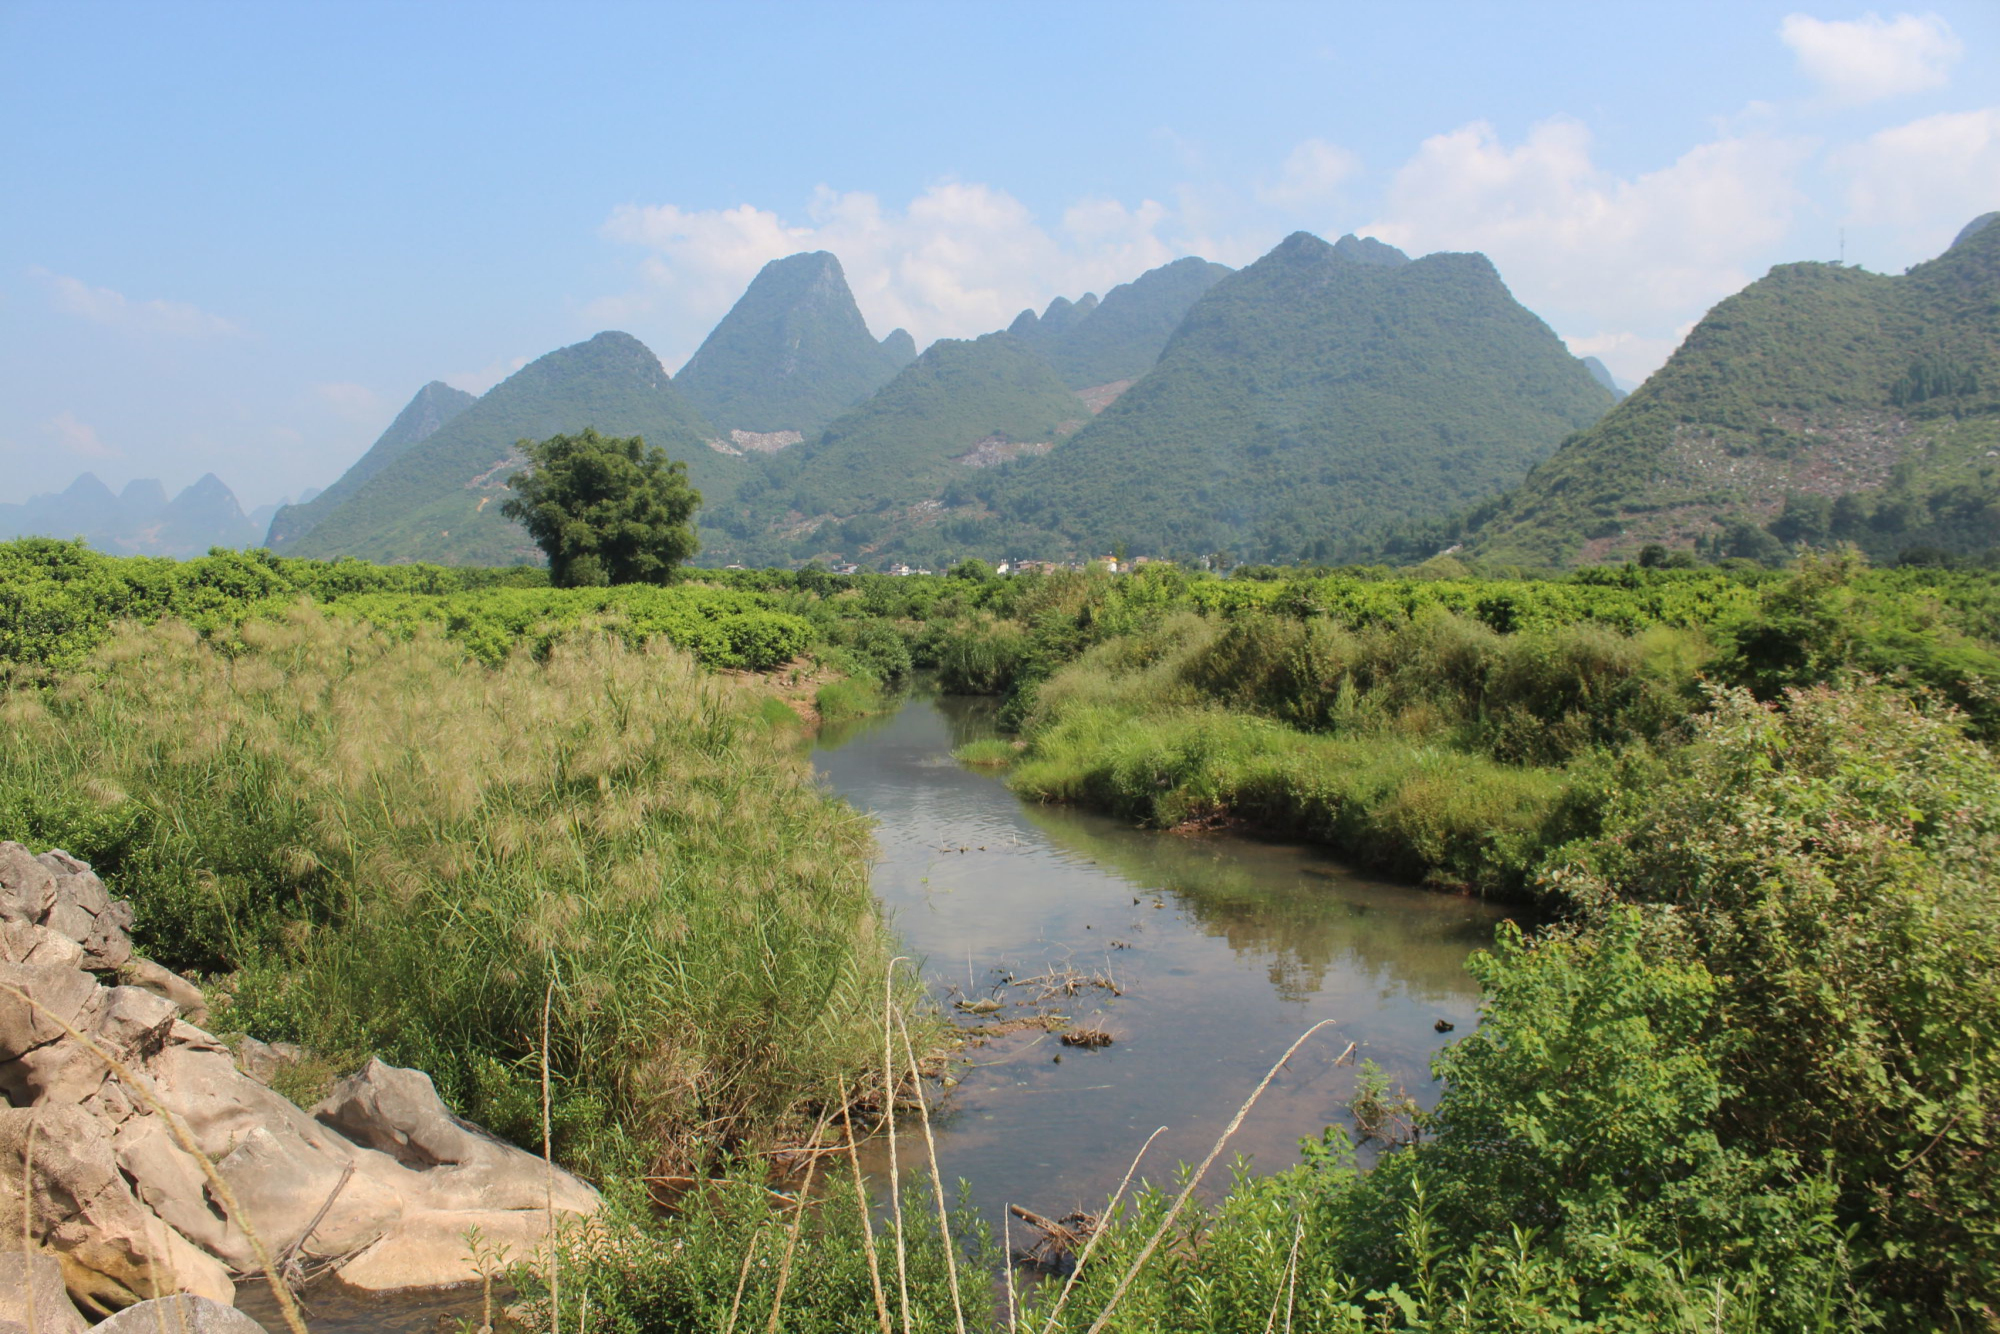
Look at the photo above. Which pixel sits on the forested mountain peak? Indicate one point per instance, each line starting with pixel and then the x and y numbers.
pixel 1092 342
pixel 1821 403
pixel 434 405
pixel 1303 397
pixel 139 520
pixel 960 409
pixel 1368 250
pixel 1973 228
pixel 1602 374
pixel 440 499
pixel 793 353
pixel 902 348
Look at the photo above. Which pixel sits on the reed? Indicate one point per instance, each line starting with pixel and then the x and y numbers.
pixel 376 844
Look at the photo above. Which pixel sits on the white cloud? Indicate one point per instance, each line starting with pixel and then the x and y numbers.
pixel 1312 173
pixel 79 438
pixel 102 305
pixel 1869 58
pixel 354 402
pixel 1925 179
pixel 1633 257
pixel 961 259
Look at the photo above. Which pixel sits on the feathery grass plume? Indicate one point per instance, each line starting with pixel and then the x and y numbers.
pixel 384 844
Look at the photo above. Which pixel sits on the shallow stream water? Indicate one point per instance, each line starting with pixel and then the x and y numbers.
pixel 1222 949
pixel 1219 951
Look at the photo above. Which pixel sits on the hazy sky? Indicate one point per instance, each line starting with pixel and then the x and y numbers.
pixel 238 237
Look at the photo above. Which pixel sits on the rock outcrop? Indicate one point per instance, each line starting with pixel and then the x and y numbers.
pixel 109 1080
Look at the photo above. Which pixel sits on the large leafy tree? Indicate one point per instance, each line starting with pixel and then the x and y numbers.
pixel 606 511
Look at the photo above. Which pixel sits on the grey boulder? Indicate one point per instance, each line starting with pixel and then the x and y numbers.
pixel 181 1315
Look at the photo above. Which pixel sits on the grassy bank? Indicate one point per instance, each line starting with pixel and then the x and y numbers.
pixel 1435 746
pixel 376 843
pixel 1752 1085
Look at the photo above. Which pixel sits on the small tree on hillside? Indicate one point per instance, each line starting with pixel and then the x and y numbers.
pixel 606 511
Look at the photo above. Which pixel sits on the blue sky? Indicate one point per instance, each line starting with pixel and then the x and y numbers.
pixel 238 237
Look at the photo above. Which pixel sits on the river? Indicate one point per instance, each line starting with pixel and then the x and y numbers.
pixel 1222 949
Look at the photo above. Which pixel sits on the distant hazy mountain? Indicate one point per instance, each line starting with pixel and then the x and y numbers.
pixel 138 521
pixel 792 354
pixel 1092 342
pixel 962 406
pixel 203 516
pixel 1820 404
pixel 1313 394
pixel 902 348
pixel 439 499
pixel 1602 374
pixel 435 404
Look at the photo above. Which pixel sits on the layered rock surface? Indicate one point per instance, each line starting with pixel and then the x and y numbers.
pixel 109 1082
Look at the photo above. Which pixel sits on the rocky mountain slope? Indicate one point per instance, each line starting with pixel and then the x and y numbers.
pixel 961 406
pixel 1822 403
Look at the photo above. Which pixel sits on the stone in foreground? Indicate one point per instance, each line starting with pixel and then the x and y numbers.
pixel 381 1182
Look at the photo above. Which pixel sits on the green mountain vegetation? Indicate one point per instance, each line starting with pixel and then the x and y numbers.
pixel 1094 342
pixel 1306 397
pixel 1822 403
pixel 792 354
pixel 439 499
pixel 961 407
pixel 435 404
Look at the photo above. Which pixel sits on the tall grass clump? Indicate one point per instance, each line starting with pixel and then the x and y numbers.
pixel 718 1262
pixel 380 845
pixel 1403 746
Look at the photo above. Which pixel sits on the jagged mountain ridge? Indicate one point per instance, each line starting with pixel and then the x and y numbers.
pixel 1095 343
pixel 1280 408
pixel 1821 403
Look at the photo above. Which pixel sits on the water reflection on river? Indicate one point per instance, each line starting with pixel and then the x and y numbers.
pixel 1225 950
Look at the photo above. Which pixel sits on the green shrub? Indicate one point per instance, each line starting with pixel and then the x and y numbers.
pixel 1831 862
